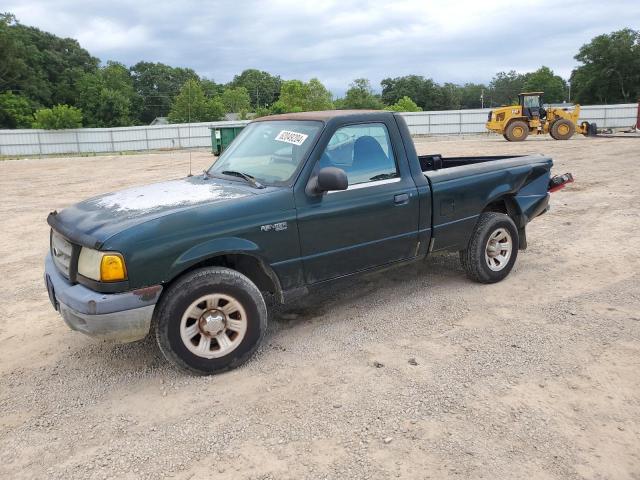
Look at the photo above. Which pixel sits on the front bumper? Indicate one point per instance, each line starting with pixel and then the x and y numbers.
pixel 121 317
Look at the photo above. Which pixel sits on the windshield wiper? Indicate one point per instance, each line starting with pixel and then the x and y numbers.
pixel 246 177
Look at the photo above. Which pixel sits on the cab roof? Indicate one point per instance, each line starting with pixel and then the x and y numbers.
pixel 325 115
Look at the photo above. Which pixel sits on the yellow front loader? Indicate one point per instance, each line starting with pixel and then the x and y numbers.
pixel 529 117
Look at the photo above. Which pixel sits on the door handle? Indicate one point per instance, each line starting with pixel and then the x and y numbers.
pixel 401 199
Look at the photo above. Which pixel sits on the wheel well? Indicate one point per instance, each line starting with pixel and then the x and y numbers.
pixel 248 265
pixel 506 205
pixel 516 119
pixel 499 206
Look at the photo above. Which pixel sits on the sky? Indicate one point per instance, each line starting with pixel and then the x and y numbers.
pixel 336 41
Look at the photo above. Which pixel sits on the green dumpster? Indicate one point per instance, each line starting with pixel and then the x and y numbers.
pixel 221 137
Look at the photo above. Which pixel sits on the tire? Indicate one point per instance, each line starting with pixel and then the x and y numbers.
pixel 463 259
pixel 210 320
pixel 492 230
pixel 517 131
pixel 562 129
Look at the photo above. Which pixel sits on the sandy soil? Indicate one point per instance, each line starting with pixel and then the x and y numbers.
pixel 536 377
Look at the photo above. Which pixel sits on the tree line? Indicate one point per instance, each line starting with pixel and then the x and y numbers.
pixel 52 82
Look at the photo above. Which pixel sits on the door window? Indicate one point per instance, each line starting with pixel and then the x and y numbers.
pixel 363 151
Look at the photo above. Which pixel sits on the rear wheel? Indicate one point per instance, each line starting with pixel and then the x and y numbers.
pixel 517 131
pixel 211 320
pixel 562 129
pixel 492 249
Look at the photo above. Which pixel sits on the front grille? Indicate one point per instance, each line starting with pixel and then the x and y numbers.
pixel 62 253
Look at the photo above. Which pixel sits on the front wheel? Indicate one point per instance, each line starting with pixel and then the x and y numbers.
pixel 562 129
pixel 517 131
pixel 210 320
pixel 492 249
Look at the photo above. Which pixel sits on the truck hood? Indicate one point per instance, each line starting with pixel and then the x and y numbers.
pixel 92 221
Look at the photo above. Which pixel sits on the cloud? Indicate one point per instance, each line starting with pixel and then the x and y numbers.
pixel 104 35
pixel 336 41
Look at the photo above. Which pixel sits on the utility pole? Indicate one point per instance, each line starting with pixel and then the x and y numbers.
pixel 482 98
pixel 189 126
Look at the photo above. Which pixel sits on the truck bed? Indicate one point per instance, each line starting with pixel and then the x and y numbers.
pixel 463 186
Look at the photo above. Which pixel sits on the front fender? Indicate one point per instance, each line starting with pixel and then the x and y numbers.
pixel 213 248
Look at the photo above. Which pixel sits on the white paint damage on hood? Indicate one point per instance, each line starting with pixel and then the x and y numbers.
pixel 175 193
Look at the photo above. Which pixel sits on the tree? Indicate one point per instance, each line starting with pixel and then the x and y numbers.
pixel 211 88
pixel 107 97
pixel 158 84
pixel 360 96
pixel 12 66
pixel 15 111
pixel 470 94
pixel 191 105
pixel 263 88
pixel 424 91
pixel 39 65
pixel 405 104
pixel 298 96
pixel 448 97
pixel 292 97
pixel 505 87
pixel 318 97
pixel 236 100
pixel 544 80
pixel 610 70
pixel 58 117
pixel 262 112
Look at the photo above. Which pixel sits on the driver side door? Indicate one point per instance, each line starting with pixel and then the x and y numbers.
pixel 372 223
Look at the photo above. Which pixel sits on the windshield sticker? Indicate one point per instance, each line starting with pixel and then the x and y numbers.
pixel 293 138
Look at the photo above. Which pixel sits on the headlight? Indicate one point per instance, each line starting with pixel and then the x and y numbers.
pixel 101 266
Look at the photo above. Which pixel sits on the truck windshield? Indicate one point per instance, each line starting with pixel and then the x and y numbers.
pixel 270 152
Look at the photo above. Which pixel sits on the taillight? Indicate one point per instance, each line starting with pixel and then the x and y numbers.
pixel 558 182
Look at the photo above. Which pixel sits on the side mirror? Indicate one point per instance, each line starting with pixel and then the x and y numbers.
pixel 328 179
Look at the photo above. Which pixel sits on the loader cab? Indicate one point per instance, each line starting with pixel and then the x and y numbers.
pixel 531 104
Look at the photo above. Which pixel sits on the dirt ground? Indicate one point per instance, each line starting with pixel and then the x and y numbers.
pixel 536 377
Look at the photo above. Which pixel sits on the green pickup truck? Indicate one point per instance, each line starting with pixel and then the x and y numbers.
pixel 297 200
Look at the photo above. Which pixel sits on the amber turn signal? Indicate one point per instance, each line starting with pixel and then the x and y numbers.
pixel 112 268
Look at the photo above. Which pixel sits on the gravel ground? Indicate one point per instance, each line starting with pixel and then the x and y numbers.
pixel 411 373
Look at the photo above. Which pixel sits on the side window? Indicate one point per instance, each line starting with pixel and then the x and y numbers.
pixel 363 151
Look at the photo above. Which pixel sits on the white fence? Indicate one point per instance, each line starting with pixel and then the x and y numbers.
pixel 105 140
pixel 459 122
